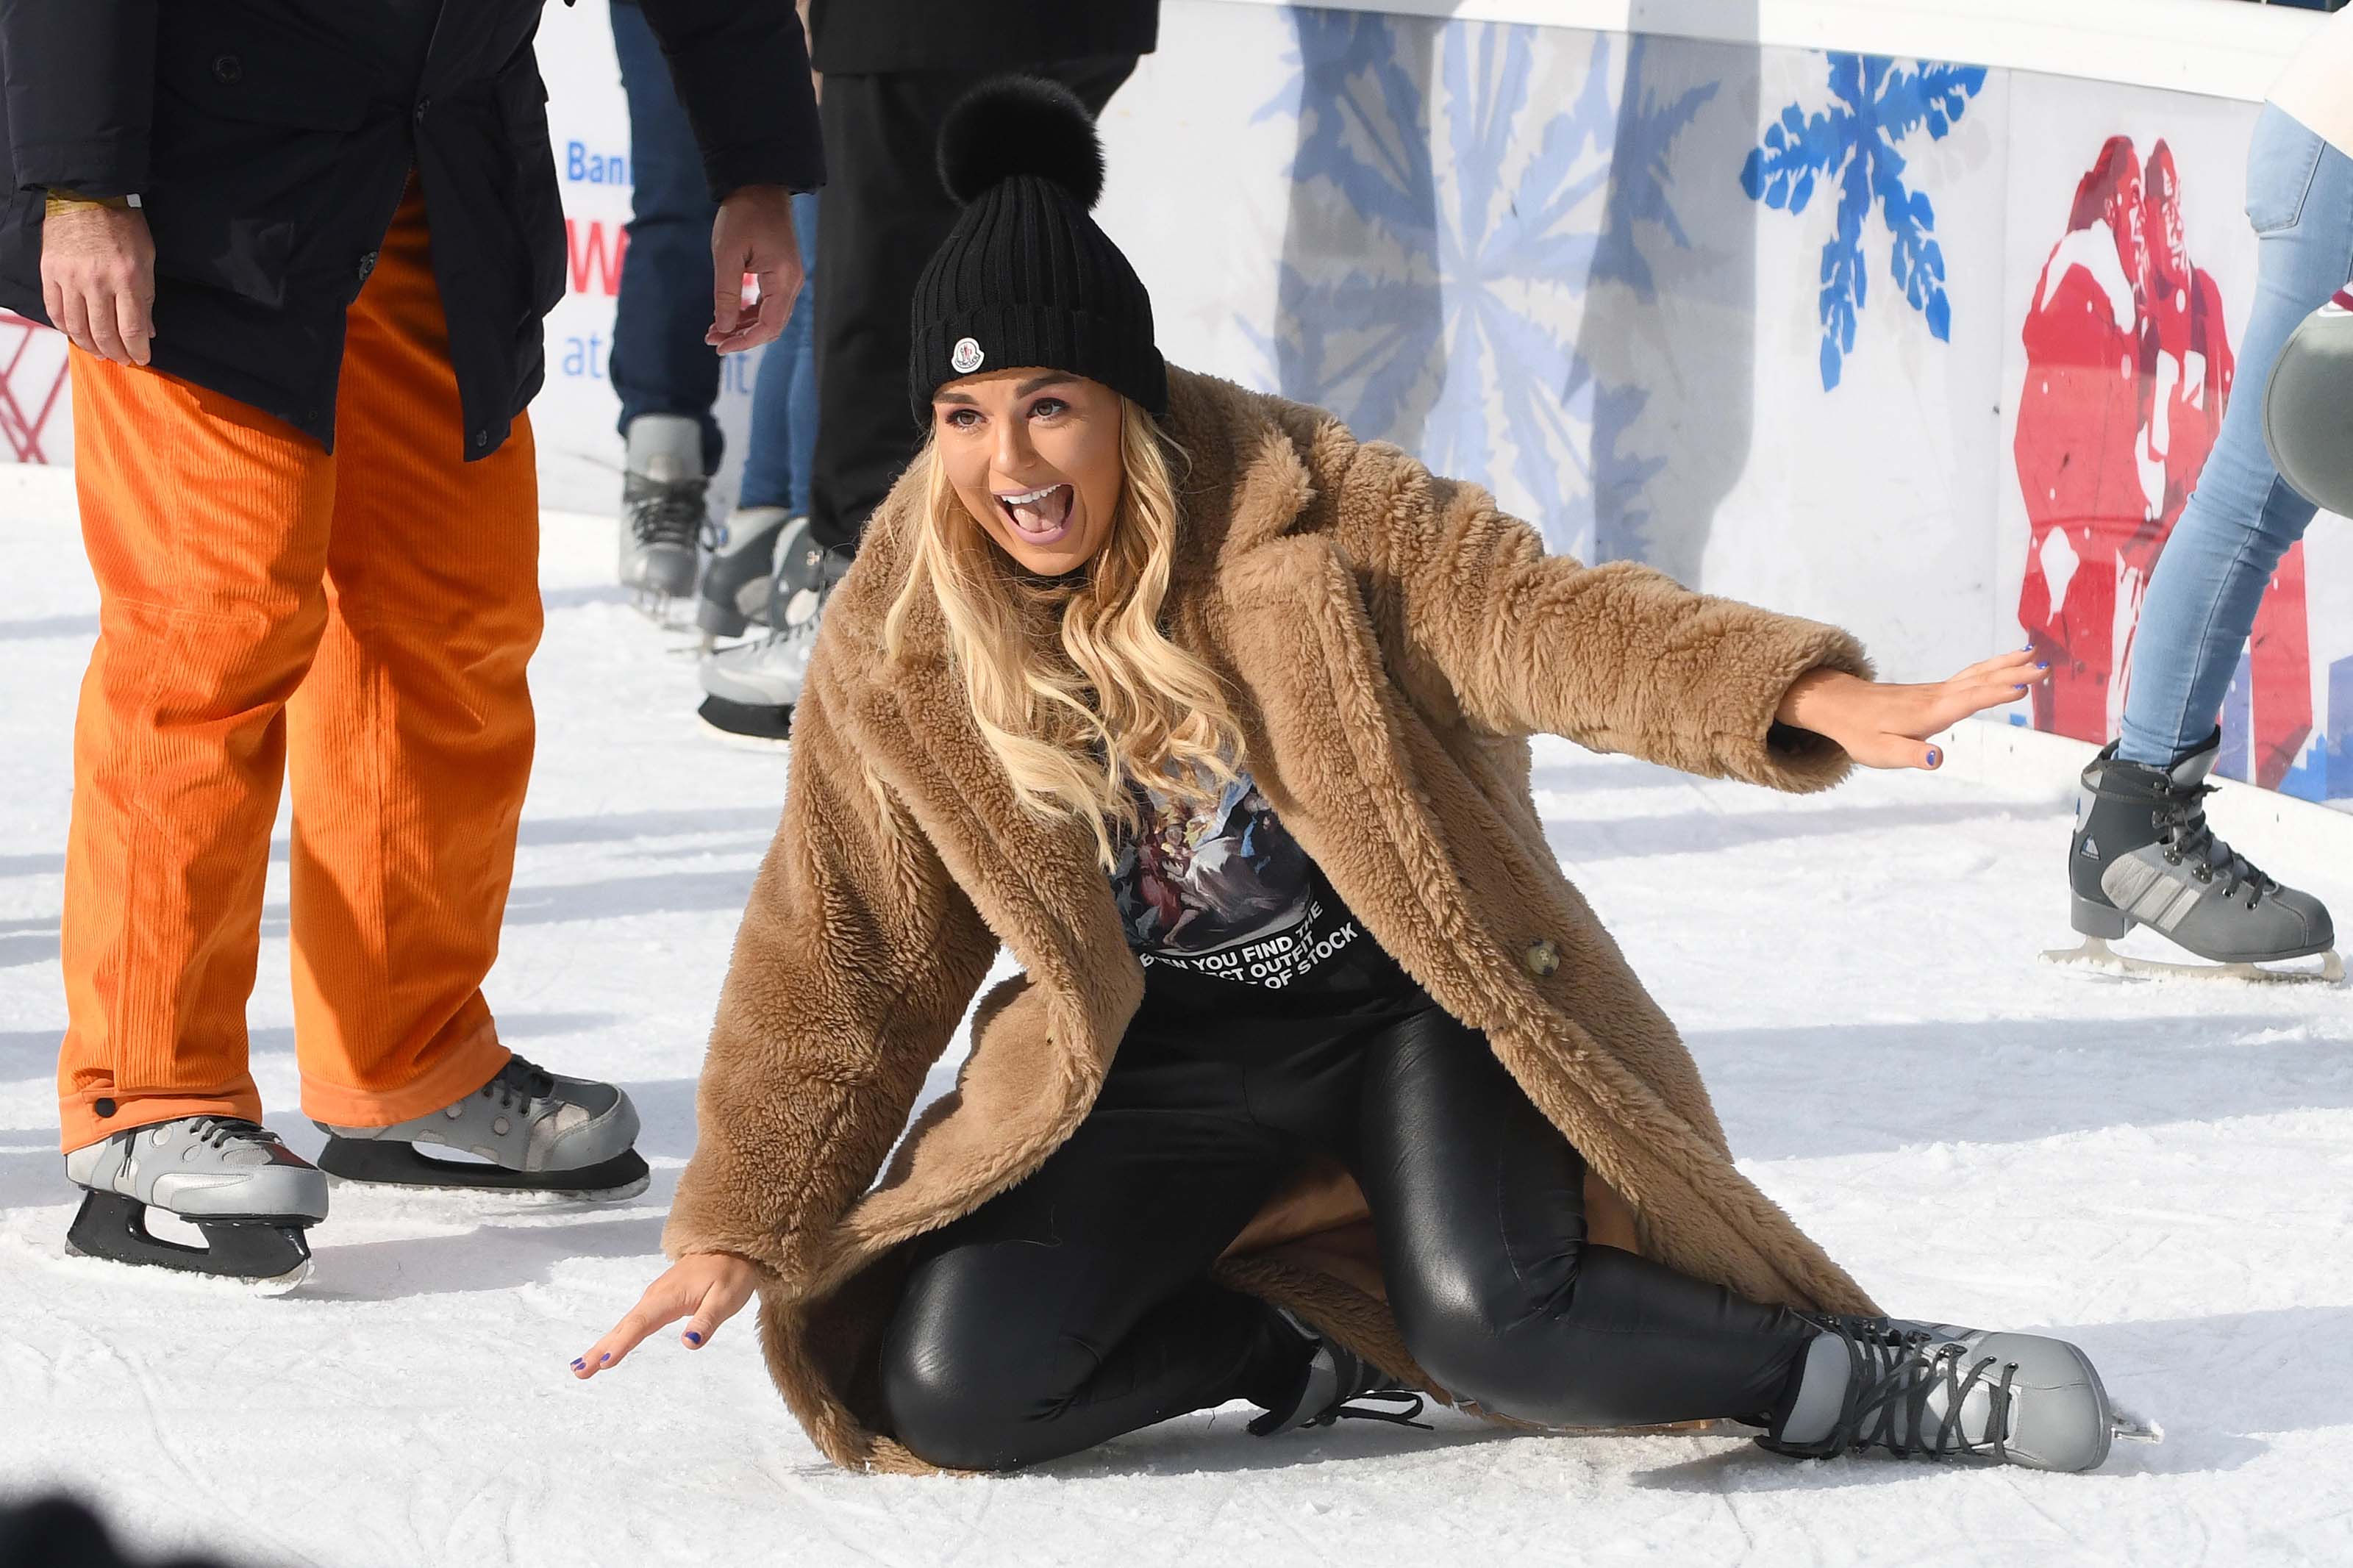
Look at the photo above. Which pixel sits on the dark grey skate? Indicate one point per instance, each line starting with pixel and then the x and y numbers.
pixel 249 1195
pixel 1942 1392
pixel 739 579
pixel 531 1130
pixel 2144 854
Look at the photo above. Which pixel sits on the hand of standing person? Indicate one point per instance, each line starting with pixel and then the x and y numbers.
pixel 98 277
pixel 754 234
pixel 705 1287
pixel 1887 726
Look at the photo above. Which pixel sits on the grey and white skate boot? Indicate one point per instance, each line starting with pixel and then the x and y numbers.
pixel 750 690
pixel 1330 1387
pixel 538 1134
pixel 251 1196
pixel 1937 1391
pixel 739 579
pixel 663 511
pixel 2143 854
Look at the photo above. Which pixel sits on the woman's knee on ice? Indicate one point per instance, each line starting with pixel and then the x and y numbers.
pixel 1468 1326
pixel 963 1389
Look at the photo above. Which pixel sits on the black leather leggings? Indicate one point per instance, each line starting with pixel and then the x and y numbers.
pixel 1076 1306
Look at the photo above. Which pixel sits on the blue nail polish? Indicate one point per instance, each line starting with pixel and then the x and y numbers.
pixel 603 1359
pixel 578 1364
pixel 2042 667
pixel 1935 756
pixel 692 1337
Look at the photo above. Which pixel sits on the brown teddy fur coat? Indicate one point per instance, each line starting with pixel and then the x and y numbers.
pixel 1391 640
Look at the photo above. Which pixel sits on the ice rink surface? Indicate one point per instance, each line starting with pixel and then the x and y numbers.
pixel 2161 1170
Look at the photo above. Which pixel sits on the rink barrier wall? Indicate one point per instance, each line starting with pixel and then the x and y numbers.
pixel 2273 829
pixel 1737 287
pixel 2209 46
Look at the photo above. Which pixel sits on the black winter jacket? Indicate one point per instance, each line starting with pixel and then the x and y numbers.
pixel 271 140
pixel 870 37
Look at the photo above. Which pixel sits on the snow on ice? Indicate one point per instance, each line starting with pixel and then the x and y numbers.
pixel 2163 1170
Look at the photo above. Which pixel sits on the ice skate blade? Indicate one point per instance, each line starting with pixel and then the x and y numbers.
pixel 392 1165
pixel 267 1252
pixel 2128 1427
pixel 2094 953
pixel 671 611
pixel 747 727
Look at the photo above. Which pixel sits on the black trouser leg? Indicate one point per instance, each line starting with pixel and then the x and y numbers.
pixel 885 214
pixel 1076 1307
pixel 1479 1203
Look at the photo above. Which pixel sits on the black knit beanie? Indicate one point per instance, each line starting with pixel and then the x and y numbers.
pixel 1026 277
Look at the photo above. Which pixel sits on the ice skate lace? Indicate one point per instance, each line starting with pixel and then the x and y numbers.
pixel 666 511
pixel 2180 822
pixel 1893 1373
pixel 518 1084
pixel 1345 1406
pixel 1349 1410
pixel 220 1131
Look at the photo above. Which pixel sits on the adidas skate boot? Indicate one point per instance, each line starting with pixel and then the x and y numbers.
pixel 2143 854
pixel 249 1194
pixel 1936 1390
pixel 531 1131
pixel 663 514
pixel 739 579
pixel 1329 1386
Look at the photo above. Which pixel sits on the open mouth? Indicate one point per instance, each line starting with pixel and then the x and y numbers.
pixel 1040 516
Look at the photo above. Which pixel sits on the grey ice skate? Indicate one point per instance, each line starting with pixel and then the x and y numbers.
pixel 538 1134
pixel 2143 854
pixel 750 690
pixel 251 1196
pixel 1938 1390
pixel 739 579
pixel 663 511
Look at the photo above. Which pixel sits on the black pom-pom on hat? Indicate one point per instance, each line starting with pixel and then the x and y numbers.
pixel 1025 277
pixel 1021 125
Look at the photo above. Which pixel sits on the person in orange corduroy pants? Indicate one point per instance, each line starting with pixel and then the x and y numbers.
pixel 357 621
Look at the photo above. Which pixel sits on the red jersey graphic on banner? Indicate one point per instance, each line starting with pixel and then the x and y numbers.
pixel 32 384
pixel 2129 370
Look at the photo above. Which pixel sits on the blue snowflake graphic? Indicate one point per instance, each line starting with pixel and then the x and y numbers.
pixel 1441 303
pixel 1876 105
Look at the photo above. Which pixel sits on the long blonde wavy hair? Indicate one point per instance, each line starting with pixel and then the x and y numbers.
pixel 1072 682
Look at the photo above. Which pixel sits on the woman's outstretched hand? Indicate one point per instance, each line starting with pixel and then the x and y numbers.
pixel 704 1288
pixel 1883 726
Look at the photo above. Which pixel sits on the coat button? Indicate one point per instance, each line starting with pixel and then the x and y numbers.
pixel 1540 959
pixel 481 437
pixel 103 1107
pixel 422 105
pixel 367 264
pixel 227 68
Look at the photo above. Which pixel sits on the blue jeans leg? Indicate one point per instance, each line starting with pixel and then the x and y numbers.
pixel 784 397
pixel 2241 517
pixel 660 364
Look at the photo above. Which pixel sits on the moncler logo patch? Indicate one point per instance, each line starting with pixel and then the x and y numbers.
pixel 965 357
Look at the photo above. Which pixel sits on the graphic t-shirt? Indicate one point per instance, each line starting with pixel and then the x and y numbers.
pixel 1229 914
